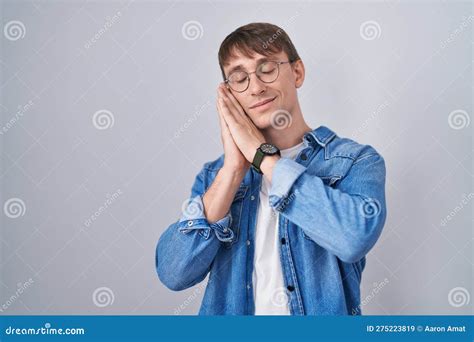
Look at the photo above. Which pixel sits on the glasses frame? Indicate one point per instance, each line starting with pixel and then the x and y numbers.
pixel 227 81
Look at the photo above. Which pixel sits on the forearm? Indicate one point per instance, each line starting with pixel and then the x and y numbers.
pixel 345 224
pixel 218 198
pixel 183 260
pixel 186 249
pixel 346 220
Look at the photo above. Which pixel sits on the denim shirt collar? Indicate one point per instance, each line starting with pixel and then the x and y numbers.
pixel 321 136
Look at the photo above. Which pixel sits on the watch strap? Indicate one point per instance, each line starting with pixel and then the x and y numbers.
pixel 259 155
pixel 257 160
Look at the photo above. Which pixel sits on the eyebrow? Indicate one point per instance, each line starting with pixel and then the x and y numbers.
pixel 241 67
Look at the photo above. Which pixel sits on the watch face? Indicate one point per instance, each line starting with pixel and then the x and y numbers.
pixel 268 148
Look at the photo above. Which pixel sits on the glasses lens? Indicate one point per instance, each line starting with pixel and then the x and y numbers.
pixel 268 72
pixel 238 80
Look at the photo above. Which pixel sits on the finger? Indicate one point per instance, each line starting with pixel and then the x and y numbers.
pixel 242 116
pixel 222 122
pixel 220 110
pixel 228 116
pixel 229 112
pixel 234 101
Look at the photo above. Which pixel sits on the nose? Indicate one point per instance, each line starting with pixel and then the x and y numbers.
pixel 256 87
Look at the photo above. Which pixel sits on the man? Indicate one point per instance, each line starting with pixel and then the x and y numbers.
pixel 282 221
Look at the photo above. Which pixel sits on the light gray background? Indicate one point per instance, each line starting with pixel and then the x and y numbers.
pixel 395 92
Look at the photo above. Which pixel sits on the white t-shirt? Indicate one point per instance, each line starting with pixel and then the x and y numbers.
pixel 269 289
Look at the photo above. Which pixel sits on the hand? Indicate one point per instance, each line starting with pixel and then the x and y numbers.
pixel 233 159
pixel 246 136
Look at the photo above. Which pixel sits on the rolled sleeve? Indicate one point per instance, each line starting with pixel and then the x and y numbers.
pixel 285 173
pixel 194 219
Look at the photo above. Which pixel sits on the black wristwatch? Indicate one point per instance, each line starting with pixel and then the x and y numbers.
pixel 265 149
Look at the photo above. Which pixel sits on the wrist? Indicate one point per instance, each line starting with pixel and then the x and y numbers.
pixel 265 156
pixel 236 170
pixel 267 165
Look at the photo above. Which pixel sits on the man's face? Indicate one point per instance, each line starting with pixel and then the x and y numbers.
pixel 282 91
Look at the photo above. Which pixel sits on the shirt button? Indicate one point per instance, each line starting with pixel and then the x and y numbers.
pixel 225 230
pixel 190 223
pixel 290 288
pixel 304 157
pixel 248 242
pixel 283 241
pixel 252 197
pixel 248 287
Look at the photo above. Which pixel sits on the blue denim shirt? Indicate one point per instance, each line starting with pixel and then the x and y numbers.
pixel 331 206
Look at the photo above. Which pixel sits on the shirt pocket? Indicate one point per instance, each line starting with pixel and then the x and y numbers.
pixel 236 212
pixel 330 180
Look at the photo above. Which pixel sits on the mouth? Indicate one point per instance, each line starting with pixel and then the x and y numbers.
pixel 261 104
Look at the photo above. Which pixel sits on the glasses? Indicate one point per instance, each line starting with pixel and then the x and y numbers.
pixel 267 72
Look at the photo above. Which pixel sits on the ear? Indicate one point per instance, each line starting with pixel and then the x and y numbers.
pixel 299 72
